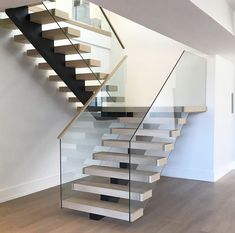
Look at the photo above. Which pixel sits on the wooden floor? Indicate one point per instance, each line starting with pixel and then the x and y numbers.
pixel 178 206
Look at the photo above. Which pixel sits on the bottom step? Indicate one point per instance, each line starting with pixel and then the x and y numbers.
pixel 107 209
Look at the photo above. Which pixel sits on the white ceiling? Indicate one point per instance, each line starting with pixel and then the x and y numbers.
pixel 177 19
pixel 4 4
pixel 231 3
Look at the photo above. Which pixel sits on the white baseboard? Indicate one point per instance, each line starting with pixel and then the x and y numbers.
pixel 24 189
pixel 233 165
pixel 197 174
pixel 191 174
pixel 220 172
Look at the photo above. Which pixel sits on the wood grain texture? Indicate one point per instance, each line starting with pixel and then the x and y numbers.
pixel 177 206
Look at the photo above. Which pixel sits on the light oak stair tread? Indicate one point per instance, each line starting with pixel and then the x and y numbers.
pixel 72 49
pixel 194 109
pixel 120 173
pixel 21 39
pixel 50 16
pixel 113 99
pixel 163 146
pixel 44 66
pixel 170 111
pixel 105 88
pixel 91 76
pixel 178 109
pixel 179 121
pixel 125 158
pixel 65 49
pixel 146 132
pixel 114 190
pixel 104 208
pixel 61 33
pixel 64 89
pixel 73 99
pixel 79 64
pixel 33 53
pixel 83 63
pixel 7 23
pixel 55 78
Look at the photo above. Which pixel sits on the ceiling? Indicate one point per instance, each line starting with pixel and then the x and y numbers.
pixel 180 20
pixel 231 3
pixel 13 3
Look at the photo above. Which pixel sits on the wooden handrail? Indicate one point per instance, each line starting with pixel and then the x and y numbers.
pixel 108 77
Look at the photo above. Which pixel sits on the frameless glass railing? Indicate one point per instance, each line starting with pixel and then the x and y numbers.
pixel 151 143
pixel 115 153
pixel 82 144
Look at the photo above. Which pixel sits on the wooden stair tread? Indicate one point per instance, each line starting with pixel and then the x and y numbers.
pixel 73 99
pixel 108 209
pixel 56 78
pixel 21 39
pixel 61 33
pixel 146 132
pixel 105 88
pixel 179 121
pixel 135 159
pixel 120 173
pixel 114 190
pixel 79 64
pixel 64 89
pixel 7 23
pixel 157 110
pixel 91 76
pixel 52 34
pixel 83 63
pixel 113 99
pixel 51 16
pixel 165 146
pixel 72 49
pixel 65 49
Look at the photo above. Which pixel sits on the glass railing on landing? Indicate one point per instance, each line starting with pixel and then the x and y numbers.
pixel 151 143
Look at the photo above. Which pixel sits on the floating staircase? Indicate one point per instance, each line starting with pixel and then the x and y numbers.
pixel 70 75
pixel 113 155
pixel 114 188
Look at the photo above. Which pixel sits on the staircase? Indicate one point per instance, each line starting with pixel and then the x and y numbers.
pixel 119 176
pixel 53 48
pixel 112 154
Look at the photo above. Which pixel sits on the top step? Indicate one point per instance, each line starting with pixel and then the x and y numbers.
pixel 184 109
pixel 51 16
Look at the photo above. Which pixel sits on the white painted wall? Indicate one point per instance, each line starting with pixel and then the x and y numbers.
pixel 219 10
pixel 206 149
pixel 224 129
pixel 193 154
pixel 151 56
pixel 32 115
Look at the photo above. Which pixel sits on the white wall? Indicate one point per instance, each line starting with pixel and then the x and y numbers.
pixel 206 149
pixel 193 154
pixel 224 150
pixel 32 115
pixel 219 10
pixel 151 56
